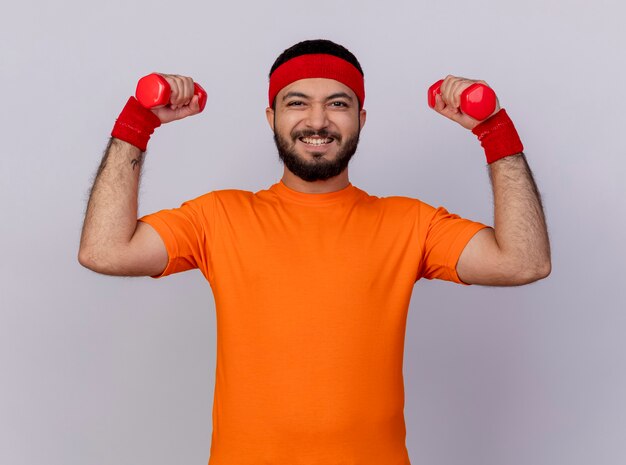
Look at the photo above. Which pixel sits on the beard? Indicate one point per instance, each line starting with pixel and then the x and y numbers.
pixel 318 169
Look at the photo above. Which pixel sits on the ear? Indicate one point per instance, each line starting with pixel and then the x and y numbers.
pixel 362 117
pixel 269 114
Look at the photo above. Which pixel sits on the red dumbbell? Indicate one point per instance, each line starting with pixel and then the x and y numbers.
pixel 154 91
pixel 477 101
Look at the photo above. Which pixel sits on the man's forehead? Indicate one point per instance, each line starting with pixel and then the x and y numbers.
pixel 316 87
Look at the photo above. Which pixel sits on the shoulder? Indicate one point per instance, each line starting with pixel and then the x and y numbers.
pixel 232 194
pixel 223 196
pixel 397 204
pixel 210 201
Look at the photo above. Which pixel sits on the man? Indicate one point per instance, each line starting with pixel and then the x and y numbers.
pixel 312 277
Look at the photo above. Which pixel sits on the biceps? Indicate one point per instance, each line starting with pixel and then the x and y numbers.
pixel 482 262
pixel 146 254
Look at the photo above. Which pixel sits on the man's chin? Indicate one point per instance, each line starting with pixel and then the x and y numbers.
pixel 315 171
pixel 315 158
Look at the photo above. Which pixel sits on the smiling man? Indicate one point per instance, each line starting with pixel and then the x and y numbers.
pixel 321 119
pixel 312 277
pixel 321 116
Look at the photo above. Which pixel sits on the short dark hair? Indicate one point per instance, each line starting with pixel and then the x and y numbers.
pixel 308 47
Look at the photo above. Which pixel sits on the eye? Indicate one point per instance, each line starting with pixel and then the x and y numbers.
pixel 295 103
pixel 339 104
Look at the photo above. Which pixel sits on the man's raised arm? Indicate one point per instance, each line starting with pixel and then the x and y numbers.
pixel 113 241
pixel 517 250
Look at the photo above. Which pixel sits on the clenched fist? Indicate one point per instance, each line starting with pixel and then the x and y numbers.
pixel 182 102
pixel 449 102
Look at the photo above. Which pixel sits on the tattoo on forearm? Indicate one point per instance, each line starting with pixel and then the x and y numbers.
pixel 135 162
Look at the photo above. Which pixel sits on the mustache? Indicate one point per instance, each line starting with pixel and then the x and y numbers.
pixel 312 133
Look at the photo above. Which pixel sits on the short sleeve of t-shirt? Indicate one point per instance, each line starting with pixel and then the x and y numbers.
pixel 186 233
pixel 445 235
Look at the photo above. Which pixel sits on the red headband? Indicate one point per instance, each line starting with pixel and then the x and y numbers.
pixel 317 65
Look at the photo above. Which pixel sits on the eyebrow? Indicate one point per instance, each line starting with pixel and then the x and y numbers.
pixel 330 97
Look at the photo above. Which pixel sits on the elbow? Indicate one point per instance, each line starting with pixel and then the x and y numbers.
pixel 545 269
pixel 86 258
pixel 83 257
pixel 518 272
pixel 94 261
pixel 531 274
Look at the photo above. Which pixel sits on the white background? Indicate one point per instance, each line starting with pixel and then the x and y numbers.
pixel 102 370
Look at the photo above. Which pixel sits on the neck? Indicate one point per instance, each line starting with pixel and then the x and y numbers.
pixel 337 183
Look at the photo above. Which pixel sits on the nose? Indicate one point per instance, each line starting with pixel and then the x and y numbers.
pixel 317 117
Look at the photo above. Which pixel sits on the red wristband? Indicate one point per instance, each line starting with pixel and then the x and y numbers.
pixel 135 124
pixel 498 137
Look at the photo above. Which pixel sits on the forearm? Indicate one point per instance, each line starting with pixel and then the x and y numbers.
pixel 519 221
pixel 111 216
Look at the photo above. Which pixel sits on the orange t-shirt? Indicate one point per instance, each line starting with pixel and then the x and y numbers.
pixel 311 295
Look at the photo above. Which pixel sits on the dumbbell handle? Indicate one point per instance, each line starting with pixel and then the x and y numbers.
pixel 477 101
pixel 154 91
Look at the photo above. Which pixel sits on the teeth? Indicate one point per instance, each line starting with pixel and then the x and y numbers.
pixel 315 141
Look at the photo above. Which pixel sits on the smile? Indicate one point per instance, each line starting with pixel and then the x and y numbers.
pixel 316 141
